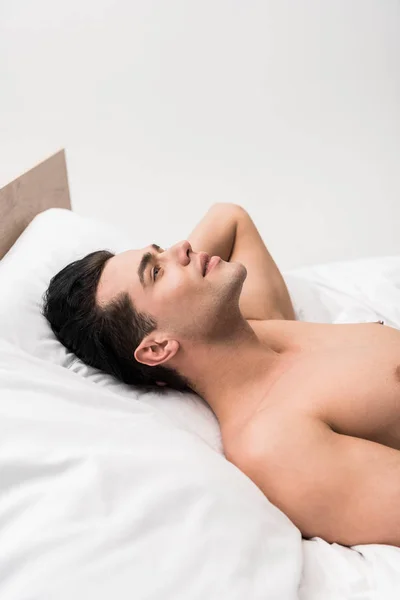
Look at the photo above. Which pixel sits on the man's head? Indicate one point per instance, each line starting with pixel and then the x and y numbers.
pixel 133 314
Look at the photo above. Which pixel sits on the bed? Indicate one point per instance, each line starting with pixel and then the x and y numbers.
pixel 112 492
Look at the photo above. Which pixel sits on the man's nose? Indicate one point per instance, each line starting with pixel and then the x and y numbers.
pixel 182 249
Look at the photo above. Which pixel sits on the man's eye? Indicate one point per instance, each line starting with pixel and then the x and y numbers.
pixel 154 272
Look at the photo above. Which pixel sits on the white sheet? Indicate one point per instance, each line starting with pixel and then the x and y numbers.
pixel 105 498
pixel 106 492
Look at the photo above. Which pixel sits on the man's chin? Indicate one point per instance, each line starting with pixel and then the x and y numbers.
pixel 243 270
pixel 239 274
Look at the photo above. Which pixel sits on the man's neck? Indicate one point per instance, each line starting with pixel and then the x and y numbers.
pixel 230 375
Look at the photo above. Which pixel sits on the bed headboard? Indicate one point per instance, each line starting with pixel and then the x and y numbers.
pixel 44 186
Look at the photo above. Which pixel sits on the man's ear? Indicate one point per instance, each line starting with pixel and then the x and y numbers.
pixel 153 352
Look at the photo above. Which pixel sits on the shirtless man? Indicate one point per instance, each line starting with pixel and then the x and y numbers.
pixel 310 412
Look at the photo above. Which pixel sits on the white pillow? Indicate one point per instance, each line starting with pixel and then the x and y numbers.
pixel 53 239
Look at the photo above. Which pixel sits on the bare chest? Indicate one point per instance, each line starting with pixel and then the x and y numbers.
pixel 347 375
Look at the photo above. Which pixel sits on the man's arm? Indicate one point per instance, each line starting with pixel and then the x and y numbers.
pixel 228 231
pixel 337 487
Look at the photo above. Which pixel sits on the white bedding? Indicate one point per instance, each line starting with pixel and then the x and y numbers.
pixel 107 492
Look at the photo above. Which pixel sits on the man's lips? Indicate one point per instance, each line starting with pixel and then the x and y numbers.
pixel 204 259
pixel 214 260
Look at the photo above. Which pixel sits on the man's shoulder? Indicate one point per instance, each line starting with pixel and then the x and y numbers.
pixel 269 449
pixel 260 436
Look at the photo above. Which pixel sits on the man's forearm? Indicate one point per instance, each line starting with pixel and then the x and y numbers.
pixel 215 233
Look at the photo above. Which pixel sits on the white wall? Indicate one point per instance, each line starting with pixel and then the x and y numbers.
pixel 290 108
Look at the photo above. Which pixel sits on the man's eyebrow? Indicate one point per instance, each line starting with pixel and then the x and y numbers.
pixel 145 260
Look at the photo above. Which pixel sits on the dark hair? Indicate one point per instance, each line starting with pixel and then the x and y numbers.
pixel 103 337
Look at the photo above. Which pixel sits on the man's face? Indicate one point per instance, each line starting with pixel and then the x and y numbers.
pixel 172 288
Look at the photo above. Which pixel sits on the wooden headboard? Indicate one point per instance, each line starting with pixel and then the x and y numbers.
pixel 44 186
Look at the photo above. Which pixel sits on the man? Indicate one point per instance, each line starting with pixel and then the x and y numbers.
pixel 310 412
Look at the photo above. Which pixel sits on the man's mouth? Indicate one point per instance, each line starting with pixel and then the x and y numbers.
pixel 204 260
